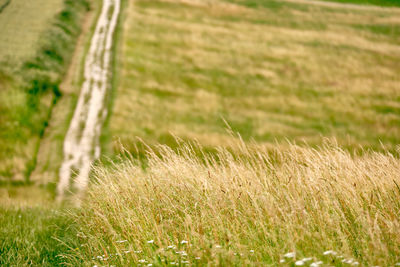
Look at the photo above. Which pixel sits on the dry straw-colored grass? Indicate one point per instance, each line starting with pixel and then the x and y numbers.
pixel 248 207
pixel 272 69
pixel 21 25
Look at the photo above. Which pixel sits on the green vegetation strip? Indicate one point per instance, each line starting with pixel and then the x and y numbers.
pixel 32 89
pixel 35 237
pixel 4 4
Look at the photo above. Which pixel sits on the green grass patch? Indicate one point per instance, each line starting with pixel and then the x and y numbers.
pixel 36 237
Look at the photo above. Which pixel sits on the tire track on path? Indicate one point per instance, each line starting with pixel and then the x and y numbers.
pixel 82 142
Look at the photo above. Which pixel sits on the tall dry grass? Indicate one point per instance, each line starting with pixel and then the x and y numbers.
pixel 248 207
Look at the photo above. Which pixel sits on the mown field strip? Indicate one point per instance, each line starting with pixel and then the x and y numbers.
pixel 345 5
pixel 273 70
pixel 81 144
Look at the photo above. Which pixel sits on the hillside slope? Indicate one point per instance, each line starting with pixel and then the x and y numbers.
pixel 271 70
pixel 37 40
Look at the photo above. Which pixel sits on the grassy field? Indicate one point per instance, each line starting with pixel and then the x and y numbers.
pixel 272 70
pixel 262 208
pixel 247 210
pixel 35 236
pixel 36 42
pixel 191 69
pixel 22 25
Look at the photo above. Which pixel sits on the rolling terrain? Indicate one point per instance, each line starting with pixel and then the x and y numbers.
pixel 37 39
pixel 271 70
pixel 200 133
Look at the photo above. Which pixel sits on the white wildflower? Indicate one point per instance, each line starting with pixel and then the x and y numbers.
pixel 316 264
pixel 355 263
pixel 348 261
pixel 306 259
pixel 282 261
pixel 122 241
pixel 142 261
pixel 299 263
pixel 330 252
pixel 126 252
pixel 184 242
pixel 251 251
pixel 290 255
pixel 183 253
pixel 150 242
pixel 217 246
pixel 150 264
pixel 197 258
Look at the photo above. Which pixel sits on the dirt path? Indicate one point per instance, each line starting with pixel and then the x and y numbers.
pixel 49 158
pixel 82 144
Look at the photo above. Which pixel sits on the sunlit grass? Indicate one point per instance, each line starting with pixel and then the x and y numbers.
pixel 251 207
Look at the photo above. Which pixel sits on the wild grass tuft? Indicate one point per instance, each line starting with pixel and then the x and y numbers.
pixel 249 207
pixel 35 236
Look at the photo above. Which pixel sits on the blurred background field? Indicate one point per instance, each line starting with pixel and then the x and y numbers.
pixel 273 70
pixel 385 3
pixel 22 24
pixel 37 39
